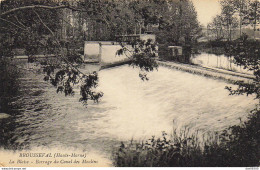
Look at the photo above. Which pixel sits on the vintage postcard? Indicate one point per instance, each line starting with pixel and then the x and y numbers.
pixel 129 83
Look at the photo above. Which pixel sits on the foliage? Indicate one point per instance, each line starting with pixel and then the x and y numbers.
pixel 178 25
pixel 142 54
pixel 235 14
pixel 238 146
pixel 222 25
pixel 216 27
pixel 172 21
pixel 40 35
pixel 44 33
pixel 253 14
pixel 247 54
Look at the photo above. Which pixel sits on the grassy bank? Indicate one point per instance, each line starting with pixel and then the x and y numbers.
pixel 237 146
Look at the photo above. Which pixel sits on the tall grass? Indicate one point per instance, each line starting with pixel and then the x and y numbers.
pixel 237 146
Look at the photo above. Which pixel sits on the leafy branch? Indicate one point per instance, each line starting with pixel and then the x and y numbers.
pixel 246 53
pixel 142 55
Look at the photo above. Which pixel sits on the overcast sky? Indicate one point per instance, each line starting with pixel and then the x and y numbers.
pixel 206 10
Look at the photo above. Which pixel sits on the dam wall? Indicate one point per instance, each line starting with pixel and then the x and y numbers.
pixel 104 52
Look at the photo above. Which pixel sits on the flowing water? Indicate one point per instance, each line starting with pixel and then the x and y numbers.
pixel 130 109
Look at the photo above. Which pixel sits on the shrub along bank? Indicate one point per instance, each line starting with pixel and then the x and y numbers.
pixel 237 146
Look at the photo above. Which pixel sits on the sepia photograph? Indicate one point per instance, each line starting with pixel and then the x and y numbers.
pixel 129 83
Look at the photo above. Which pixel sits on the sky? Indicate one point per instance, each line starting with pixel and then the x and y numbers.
pixel 206 10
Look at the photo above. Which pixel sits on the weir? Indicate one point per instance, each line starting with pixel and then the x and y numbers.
pixel 104 53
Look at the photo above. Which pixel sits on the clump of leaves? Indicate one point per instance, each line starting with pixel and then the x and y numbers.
pixel 90 82
pixel 142 54
pixel 65 77
pixel 245 88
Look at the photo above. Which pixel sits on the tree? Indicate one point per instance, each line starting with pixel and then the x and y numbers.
pixel 180 23
pixel 254 14
pixel 240 7
pixel 240 12
pixel 227 16
pixel 246 54
pixel 41 32
pixel 177 25
pixel 216 28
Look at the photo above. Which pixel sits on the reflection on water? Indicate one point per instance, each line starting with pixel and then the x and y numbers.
pixel 220 61
pixel 129 109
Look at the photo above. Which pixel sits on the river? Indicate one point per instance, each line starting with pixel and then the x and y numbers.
pixel 130 109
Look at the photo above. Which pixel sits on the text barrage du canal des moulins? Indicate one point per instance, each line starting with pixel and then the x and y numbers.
pixel 55 155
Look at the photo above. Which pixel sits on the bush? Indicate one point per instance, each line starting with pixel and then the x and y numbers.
pixel 238 146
